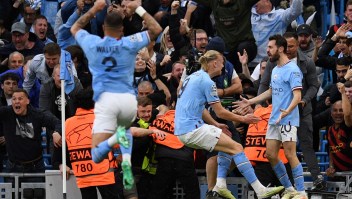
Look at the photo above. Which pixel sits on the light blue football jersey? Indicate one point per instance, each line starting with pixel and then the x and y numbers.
pixel 111 61
pixel 284 80
pixel 197 90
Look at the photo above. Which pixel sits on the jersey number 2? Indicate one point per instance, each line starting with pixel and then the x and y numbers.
pixel 112 61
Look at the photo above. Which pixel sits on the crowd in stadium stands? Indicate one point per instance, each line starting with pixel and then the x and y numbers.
pixel 32 52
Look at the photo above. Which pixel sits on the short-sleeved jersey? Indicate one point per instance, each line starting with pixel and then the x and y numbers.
pixel 284 80
pixel 111 61
pixel 197 90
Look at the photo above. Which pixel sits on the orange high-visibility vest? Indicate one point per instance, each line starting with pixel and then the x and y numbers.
pixel 79 142
pixel 255 140
pixel 166 123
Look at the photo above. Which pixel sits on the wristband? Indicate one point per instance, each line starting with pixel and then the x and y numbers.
pixel 140 11
pixel 223 92
pixel 335 37
pixel 154 79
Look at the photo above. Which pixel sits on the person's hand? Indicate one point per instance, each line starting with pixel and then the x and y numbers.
pixel 80 6
pixel 166 60
pixel 250 119
pixel 237 111
pixel 330 171
pixel 248 110
pixel 303 103
pixel 57 140
pixel 162 108
pixel 17 3
pixel 152 68
pixel 131 7
pixel 348 75
pixel 283 113
pixel 327 101
pixel 318 42
pixel 183 29
pixel 68 171
pixel 160 135
pixel 341 32
pixel 243 103
pixel 243 58
pixel 284 4
pixel 340 87
pixel 243 111
pixel 116 8
pixel 175 5
pixel 99 5
pixel 2 140
pixel 191 6
pixel 224 128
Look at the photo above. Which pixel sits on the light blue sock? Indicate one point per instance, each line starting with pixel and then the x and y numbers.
pixel 245 167
pixel 281 173
pixel 224 162
pixel 100 152
pixel 298 177
pixel 127 150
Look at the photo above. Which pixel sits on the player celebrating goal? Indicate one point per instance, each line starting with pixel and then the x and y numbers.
pixel 111 61
pixel 197 90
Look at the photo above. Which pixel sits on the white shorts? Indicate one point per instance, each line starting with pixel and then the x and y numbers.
pixel 112 110
pixel 204 137
pixel 283 133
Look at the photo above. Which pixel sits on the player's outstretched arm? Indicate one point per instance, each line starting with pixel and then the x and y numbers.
pixel 99 5
pixel 154 29
pixel 260 98
pixel 221 112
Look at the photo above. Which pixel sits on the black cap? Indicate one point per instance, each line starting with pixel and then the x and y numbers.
pixel 304 29
pixel 216 43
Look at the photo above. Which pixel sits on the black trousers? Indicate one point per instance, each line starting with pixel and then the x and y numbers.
pixel 168 171
pixel 305 138
pixel 106 192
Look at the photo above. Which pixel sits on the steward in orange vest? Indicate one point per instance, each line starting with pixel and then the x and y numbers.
pixel 89 175
pixel 79 141
pixel 166 123
pixel 255 140
pixel 175 161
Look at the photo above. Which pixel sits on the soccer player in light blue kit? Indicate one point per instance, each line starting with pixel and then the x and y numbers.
pixel 111 61
pixel 285 91
pixel 198 89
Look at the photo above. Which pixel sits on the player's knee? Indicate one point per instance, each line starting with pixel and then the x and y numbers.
pixel 237 148
pixel 290 154
pixel 271 155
